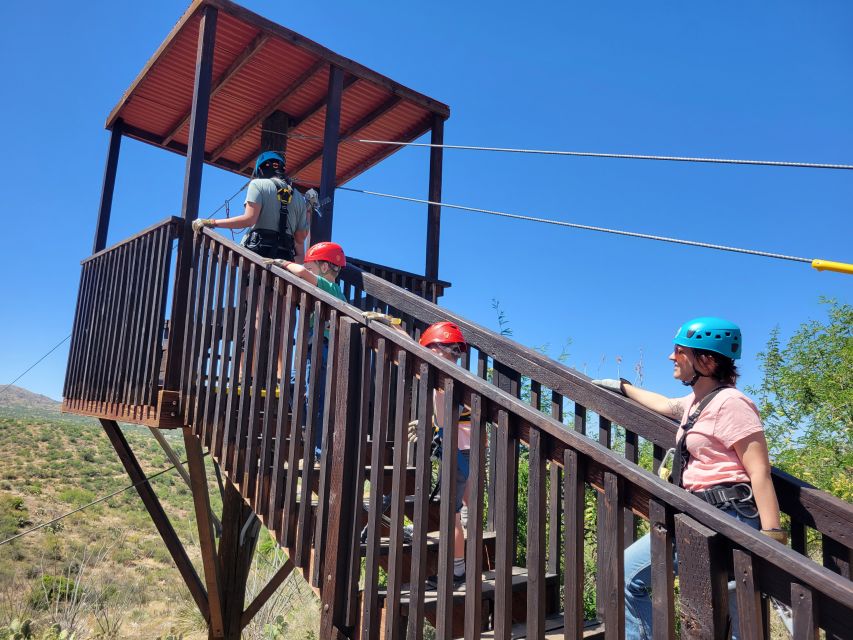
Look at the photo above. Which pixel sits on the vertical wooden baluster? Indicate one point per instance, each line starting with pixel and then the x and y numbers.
pixel 612 543
pixel 803 605
pixel 749 602
pixel 259 365
pixel 574 489
pixel 298 416
pixel 703 579
pixel 303 522
pixel 447 481
pixel 282 420
pixel 402 411
pixel 145 332
pixel 536 586
pixel 327 442
pixel 354 570
pixel 632 453
pixel 555 502
pixel 158 319
pixel 228 355
pixel 343 510
pixel 504 525
pixel 194 308
pixel 798 536
pixel 423 477
pixel 474 541
pixel 201 339
pixel 133 324
pixel 663 578
pixel 247 382
pixel 274 390
pixel 382 388
pixel 235 380
pixel 836 556
pixel 602 560
pixel 216 358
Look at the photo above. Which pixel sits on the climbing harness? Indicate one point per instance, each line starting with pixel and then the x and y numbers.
pixel 681 445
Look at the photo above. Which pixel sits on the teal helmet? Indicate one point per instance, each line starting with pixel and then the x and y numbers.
pixel 711 334
pixel 267 155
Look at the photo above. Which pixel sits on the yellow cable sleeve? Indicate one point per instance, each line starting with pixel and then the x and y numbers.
pixel 828 265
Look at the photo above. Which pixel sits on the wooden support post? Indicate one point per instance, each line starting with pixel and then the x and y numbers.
pixel 108 187
pixel 236 548
pixel 703 580
pixel 274 132
pixel 155 510
pixel 192 191
pixel 206 538
pixel 321 225
pixel 342 485
pixel 436 156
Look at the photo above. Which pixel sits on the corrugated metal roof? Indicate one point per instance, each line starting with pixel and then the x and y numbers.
pixel 260 67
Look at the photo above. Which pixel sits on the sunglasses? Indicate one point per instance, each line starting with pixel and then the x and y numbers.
pixel 452 349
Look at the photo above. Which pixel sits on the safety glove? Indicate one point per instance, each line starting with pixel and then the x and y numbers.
pixel 276 262
pixel 313 198
pixel 611 384
pixel 779 535
pixel 201 223
pixel 384 318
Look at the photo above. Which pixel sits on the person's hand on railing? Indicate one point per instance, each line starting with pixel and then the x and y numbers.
pixel 611 384
pixel 277 262
pixel 384 318
pixel 779 535
pixel 201 223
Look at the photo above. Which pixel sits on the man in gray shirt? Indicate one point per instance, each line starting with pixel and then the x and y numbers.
pixel 272 234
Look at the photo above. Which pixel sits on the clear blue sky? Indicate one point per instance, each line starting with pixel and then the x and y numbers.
pixel 740 80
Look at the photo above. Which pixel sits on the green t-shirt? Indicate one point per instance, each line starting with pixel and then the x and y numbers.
pixel 332 288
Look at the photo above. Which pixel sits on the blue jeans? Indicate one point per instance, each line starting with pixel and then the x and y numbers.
pixel 638 581
pixel 320 402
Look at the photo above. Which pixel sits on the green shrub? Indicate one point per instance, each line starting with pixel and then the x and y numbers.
pixel 76 496
pixel 51 589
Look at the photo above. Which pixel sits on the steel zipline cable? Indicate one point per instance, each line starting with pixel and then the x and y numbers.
pixel 91 504
pixel 6 388
pixel 586 227
pixel 578 154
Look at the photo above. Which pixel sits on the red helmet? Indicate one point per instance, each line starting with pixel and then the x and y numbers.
pixel 327 251
pixel 442 333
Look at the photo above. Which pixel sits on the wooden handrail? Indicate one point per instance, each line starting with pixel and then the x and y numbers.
pixel 814 507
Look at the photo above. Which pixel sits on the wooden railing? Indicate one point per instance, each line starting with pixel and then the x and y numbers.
pixel 572 398
pixel 249 330
pixel 245 319
pixel 424 287
pixel 116 342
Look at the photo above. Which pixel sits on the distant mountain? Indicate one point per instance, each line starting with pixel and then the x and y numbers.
pixel 21 398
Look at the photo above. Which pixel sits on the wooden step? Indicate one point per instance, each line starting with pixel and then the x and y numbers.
pixel 431 554
pixel 519 599
pixel 593 630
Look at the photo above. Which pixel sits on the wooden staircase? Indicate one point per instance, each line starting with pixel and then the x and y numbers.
pixel 243 318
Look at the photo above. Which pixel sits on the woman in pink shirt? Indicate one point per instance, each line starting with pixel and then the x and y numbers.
pixel 720 455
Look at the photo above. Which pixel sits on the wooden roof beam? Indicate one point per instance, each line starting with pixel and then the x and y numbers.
pixel 239 62
pixel 381 110
pixel 271 106
pixel 313 110
pixel 330 57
